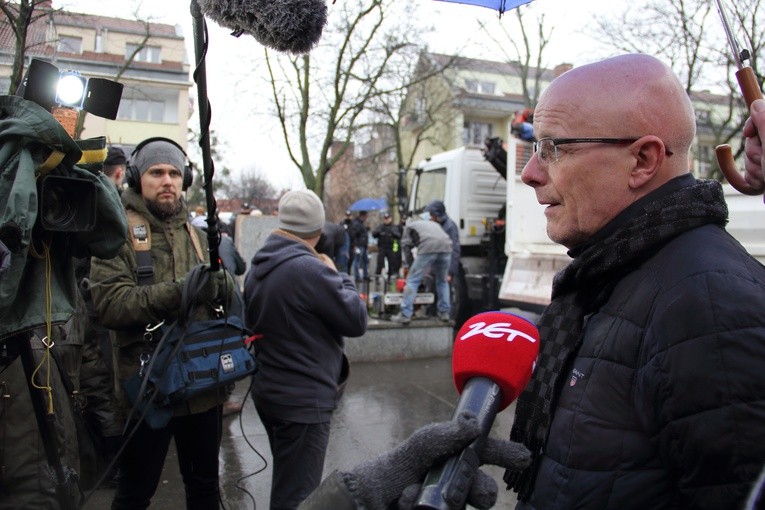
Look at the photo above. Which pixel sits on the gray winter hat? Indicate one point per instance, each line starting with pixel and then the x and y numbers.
pixel 155 153
pixel 301 213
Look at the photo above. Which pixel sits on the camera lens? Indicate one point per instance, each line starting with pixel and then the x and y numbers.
pixel 67 204
pixel 57 210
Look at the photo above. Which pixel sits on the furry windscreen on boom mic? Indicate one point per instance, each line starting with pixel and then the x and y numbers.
pixel 293 26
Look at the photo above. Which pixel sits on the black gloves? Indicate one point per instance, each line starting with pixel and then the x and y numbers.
pixel 397 474
pixel 218 286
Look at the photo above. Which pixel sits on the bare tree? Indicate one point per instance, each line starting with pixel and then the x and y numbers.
pixel 320 98
pixel 528 54
pixel 30 20
pixel 18 17
pixel 250 187
pixel 416 107
pixel 196 194
pixel 688 35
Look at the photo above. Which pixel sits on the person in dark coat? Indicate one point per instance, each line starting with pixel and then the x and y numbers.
pixel 301 309
pixel 388 237
pixel 359 233
pixel 346 223
pixel 334 242
pixel 648 391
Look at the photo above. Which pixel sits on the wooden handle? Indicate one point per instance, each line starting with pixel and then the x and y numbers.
pixel 750 89
pixel 747 81
pixel 731 173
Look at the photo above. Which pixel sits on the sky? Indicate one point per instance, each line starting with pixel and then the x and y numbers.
pixel 253 138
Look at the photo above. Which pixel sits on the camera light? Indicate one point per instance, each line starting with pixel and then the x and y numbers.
pixel 70 90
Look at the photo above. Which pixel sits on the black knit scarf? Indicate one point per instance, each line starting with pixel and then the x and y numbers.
pixel 584 285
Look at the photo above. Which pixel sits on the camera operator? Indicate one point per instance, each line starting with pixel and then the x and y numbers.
pixel 39 463
pixel 125 302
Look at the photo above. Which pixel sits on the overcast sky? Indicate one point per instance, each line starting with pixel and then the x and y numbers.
pixel 251 137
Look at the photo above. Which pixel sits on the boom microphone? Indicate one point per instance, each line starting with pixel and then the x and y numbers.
pixel 293 26
pixel 494 355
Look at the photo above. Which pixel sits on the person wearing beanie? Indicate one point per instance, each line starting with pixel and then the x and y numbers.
pixel 126 301
pixel 437 211
pixel 301 308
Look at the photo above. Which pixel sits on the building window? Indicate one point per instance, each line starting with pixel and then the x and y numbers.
pixel 475 133
pixel 523 153
pixel 144 110
pixel 149 54
pixel 480 87
pixel 68 44
pixel 704 166
pixel 420 109
pixel 486 87
pixel 703 116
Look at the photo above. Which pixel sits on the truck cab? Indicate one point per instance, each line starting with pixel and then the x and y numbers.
pixel 474 194
pixel 507 259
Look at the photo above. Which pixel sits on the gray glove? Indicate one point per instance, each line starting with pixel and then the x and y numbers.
pixel 397 474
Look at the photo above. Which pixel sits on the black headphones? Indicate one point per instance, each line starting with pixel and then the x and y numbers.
pixel 133 175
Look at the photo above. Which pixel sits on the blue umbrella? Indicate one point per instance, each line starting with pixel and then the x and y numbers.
pixel 369 204
pixel 500 5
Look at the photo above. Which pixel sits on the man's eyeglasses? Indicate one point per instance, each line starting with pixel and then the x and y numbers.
pixel 546 149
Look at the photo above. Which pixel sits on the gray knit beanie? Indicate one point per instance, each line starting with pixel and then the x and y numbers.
pixel 155 153
pixel 301 213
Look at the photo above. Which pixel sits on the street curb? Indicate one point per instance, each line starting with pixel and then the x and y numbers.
pixel 387 341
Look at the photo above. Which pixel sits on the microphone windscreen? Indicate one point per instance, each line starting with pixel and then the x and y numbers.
pixel 292 26
pixel 499 346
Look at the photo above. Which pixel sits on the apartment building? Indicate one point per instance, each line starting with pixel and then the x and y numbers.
pixel 474 99
pixel 155 99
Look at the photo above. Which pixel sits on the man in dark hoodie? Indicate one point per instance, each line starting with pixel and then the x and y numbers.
pixel 300 308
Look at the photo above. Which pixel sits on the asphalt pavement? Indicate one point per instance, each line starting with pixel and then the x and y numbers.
pixel 383 404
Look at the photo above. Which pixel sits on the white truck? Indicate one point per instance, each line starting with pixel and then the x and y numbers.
pixel 516 269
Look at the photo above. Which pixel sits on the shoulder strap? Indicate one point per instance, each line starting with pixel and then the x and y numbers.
pixel 195 241
pixel 139 232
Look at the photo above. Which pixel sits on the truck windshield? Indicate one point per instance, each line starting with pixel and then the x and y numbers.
pixel 431 185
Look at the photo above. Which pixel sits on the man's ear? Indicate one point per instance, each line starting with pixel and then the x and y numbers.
pixel 649 154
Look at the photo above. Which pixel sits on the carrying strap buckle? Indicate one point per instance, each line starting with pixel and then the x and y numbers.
pixel 148 333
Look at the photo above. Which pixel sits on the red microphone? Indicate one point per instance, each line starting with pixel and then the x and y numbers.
pixel 493 357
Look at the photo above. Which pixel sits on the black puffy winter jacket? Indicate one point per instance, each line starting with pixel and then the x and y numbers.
pixel 664 404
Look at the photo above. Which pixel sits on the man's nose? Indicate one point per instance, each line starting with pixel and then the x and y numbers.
pixel 533 174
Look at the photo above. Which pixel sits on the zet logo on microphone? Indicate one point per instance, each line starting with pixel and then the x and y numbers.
pixel 496 330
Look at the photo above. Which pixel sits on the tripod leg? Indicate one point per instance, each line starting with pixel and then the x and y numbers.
pixel 45 426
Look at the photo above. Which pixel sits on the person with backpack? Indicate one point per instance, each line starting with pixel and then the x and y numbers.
pixel 137 290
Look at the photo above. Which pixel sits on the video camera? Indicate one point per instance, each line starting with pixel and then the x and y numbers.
pixel 59 204
pixel 68 204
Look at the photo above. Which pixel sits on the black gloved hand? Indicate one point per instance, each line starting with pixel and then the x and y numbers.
pixel 397 474
pixel 219 283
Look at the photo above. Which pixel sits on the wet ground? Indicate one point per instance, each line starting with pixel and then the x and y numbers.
pixel 383 404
